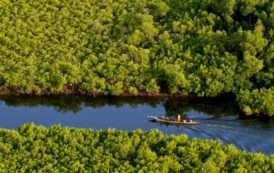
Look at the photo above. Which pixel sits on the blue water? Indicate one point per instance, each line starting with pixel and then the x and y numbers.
pixel 218 120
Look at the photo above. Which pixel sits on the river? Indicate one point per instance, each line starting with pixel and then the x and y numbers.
pixel 219 118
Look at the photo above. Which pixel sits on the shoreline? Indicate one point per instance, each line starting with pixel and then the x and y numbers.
pixel 70 93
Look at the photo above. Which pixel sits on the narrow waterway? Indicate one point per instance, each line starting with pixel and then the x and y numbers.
pixel 219 118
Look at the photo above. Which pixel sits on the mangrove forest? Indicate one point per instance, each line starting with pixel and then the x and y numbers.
pixel 201 48
pixel 33 148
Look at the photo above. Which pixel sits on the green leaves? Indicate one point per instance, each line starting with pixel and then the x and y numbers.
pixel 257 101
pixel 203 48
pixel 33 148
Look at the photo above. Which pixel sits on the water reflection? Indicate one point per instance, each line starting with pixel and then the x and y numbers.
pixel 76 103
pixel 219 107
pixel 219 118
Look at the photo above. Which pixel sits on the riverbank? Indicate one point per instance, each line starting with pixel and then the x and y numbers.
pixel 56 149
pixel 75 92
pixel 45 95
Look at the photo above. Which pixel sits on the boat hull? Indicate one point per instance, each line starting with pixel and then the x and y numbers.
pixel 175 122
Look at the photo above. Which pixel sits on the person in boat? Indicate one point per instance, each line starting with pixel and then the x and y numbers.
pixel 163 117
pixel 178 117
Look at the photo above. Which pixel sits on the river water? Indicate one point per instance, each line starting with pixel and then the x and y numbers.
pixel 219 118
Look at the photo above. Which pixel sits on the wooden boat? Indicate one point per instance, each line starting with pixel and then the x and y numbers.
pixel 166 120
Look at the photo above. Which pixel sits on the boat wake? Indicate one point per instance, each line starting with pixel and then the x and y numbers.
pixel 244 134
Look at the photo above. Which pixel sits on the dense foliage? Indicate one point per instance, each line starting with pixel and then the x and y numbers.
pixel 201 47
pixel 33 148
